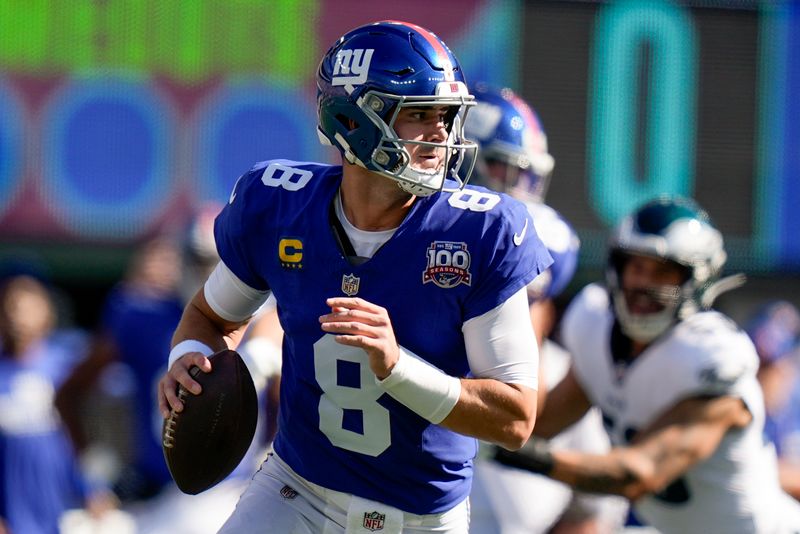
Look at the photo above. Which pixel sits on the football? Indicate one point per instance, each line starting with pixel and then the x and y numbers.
pixel 207 440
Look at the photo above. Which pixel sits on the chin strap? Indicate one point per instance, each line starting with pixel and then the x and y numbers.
pixel 723 285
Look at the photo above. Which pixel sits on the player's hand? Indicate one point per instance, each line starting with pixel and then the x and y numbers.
pixel 362 324
pixel 179 374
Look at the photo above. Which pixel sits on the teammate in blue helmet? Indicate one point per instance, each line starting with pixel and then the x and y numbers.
pixel 401 292
pixel 513 145
pixel 513 157
pixel 775 331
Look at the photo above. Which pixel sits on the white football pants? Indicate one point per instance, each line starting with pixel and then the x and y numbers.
pixel 279 500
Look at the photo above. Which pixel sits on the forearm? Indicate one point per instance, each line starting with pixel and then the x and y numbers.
pixel 790 478
pixel 483 408
pixel 196 323
pixel 493 411
pixel 199 334
pixel 621 471
pixel 618 472
pixel 566 404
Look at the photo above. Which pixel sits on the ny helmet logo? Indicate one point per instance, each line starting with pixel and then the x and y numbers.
pixel 352 67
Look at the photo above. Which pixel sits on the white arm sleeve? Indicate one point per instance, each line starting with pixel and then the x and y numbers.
pixel 229 297
pixel 501 343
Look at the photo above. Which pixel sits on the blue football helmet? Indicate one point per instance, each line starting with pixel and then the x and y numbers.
pixel 775 331
pixel 368 76
pixel 670 229
pixel 513 156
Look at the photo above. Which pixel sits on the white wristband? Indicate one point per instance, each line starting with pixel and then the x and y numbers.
pixel 421 387
pixel 186 346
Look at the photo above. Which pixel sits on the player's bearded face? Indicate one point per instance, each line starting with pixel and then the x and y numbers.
pixel 650 285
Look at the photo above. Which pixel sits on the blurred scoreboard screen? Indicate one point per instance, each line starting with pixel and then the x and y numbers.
pixel 119 119
pixel 693 98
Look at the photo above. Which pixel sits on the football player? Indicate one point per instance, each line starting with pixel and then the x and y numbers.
pixel 40 476
pixel 513 157
pixel 394 283
pixel 775 331
pixel 675 380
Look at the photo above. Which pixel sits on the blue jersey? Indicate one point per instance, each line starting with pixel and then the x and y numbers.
pixel 127 315
pixel 563 245
pixel 39 475
pixel 782 426
pixel 454 257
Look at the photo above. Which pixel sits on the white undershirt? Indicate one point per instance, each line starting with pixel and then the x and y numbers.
pixel 365 243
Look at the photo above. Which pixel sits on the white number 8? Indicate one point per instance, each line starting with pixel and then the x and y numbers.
pixel 473 200
pixel 377 435
pixel 285 176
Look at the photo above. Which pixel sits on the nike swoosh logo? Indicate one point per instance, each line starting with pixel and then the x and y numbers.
pixel 233 191
pixel 519 237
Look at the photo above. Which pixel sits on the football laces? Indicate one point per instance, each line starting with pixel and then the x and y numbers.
pixel 168 439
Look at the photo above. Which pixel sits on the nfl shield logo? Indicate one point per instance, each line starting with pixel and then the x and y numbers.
pixel 350 284
pixel 288 492
pixel 373 520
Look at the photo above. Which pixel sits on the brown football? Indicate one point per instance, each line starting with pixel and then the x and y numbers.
pixel 205 442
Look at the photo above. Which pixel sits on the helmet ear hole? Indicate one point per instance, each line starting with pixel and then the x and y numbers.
pixel 348 122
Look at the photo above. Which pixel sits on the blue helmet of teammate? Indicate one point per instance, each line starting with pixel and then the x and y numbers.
pixel 513 156
pixel 775 331
pixel 368 76
pixel 671 229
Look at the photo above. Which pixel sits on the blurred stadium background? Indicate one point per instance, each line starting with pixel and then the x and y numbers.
pixel 119 117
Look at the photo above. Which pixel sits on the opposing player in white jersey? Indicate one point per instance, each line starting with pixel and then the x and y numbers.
pixel 676 382
pixel 401 294
pixel 513 157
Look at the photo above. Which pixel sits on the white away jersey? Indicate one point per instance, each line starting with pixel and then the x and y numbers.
pixel 454 257
pixel 736 489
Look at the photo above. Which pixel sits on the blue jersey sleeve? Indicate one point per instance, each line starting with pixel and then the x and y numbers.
pixel 563 245
pixel 239 225
pixel 565 262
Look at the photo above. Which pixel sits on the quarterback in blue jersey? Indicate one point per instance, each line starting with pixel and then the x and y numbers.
pixel 401 292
